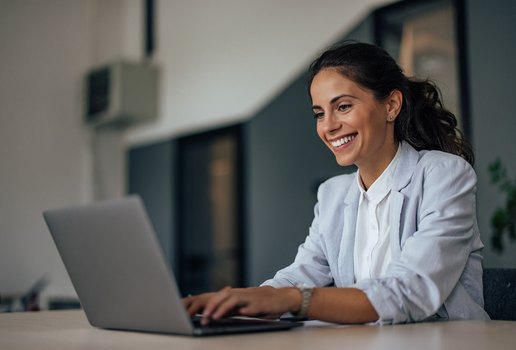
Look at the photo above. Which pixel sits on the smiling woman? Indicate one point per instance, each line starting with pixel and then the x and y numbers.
pixel 397 241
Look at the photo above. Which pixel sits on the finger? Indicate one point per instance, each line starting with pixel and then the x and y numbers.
pixel 247 310
pixel 213 303
pixel 253 311
pixel 228 305
pixel 193 307
pixel 196 306
pixel 187 301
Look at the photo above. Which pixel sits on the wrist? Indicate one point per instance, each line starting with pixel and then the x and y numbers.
pixel 294 298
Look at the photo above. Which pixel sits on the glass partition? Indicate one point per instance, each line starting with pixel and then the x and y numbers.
pixel 422 37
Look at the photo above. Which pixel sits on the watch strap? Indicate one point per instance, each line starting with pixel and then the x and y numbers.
pixel 306 295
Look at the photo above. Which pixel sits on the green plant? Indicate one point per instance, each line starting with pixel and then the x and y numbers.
pixel 503 218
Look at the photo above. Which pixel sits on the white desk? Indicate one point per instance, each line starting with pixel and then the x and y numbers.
pixel 70 330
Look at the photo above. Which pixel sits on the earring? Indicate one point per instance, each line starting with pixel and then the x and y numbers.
pixel 391 118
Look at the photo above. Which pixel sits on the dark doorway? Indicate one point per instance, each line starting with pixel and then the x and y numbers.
pixel 210 236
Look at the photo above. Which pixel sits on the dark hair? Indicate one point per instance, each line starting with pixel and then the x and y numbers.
pixel 423 122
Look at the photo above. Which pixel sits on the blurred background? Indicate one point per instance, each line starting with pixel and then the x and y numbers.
pixel 201 108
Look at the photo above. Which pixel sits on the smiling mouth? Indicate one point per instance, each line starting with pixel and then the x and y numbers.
pixel 343 140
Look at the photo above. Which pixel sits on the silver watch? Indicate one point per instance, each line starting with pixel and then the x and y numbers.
pixel 306 295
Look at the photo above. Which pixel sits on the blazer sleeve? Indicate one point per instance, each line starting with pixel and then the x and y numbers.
pixel 433 257
pixel 310 267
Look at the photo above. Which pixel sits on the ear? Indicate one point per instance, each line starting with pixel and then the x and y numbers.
pixel 393 104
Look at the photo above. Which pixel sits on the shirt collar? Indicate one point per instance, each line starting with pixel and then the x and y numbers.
pixel 383 184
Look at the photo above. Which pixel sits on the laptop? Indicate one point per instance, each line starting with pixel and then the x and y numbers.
pixel 118 269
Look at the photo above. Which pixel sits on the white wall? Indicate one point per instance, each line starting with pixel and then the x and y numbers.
pixel 116 28
pixel 48 157
pixel 45 158
pixel 220 61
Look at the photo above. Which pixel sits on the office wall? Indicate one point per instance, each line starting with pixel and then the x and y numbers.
pixel 44 146
pixel 491 38
pixel 223 60
pixel 48 156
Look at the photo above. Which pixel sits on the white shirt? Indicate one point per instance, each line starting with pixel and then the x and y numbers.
pixel 372 253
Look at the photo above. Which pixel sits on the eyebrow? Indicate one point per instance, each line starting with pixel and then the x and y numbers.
pixel 333 100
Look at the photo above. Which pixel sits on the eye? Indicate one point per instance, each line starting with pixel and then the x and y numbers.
pixel 318 115
pixel 344 107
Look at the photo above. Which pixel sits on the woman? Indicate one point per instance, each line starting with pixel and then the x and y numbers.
pixel 397 241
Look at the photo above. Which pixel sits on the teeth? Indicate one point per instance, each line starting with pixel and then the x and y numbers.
pixel 342 141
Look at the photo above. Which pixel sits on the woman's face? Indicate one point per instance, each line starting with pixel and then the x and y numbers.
pixel 352 122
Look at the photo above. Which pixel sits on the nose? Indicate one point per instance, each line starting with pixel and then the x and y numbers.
pixel 329 124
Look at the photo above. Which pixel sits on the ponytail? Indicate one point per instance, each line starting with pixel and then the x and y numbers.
pixel 426 125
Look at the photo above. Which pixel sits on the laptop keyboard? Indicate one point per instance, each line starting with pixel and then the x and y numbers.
pixel 239 325
pixel 227 322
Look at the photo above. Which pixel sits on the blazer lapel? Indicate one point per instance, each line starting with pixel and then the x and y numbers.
pixel 408 160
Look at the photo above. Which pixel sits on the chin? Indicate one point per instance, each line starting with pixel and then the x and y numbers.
pixel 343 162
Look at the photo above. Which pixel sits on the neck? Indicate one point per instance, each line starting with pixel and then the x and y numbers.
pixel 370 172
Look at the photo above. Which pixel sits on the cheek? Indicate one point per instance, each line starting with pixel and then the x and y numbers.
pixel 373 123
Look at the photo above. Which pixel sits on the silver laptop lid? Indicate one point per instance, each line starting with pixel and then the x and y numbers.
pixel 117 267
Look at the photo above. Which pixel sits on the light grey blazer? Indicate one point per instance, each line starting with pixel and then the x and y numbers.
pixel 436 268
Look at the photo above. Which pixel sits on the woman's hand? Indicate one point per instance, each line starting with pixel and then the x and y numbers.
pixel 264 301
